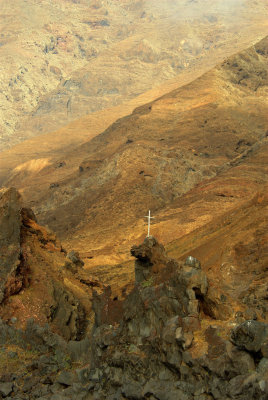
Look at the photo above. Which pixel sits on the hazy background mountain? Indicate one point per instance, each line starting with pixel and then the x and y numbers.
pixel 63 59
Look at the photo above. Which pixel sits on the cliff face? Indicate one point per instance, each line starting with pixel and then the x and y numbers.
pixel 37 279
pixel 13 271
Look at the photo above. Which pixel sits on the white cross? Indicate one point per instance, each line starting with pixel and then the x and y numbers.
pixel 149 222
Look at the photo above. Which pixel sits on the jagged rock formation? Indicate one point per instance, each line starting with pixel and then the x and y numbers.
pixel 31 360
pixel 13 272
pixel 37 279
pixel 158 342
pixel 164 346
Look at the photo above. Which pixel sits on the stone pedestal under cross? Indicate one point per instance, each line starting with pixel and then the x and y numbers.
pixel 149 222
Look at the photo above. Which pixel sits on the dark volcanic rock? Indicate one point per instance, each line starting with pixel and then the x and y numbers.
pixel 31 259
pixel 157 343
pixel 75 258
pixel 74 262
pixel 252 336
pixel 12 263
pixel 67 313
pixel 147 255
pixel 163 348
pixel 192 261
pixel 65 378
pixel 152 266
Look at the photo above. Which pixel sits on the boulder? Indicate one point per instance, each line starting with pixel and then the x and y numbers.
pixel 65 378
pixel 148 255
pixel 251 336
pixel 74 257
pixel 193 262
pixel 6 388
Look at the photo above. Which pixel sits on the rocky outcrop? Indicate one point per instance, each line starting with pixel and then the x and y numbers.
pixel 164 346
pixel 148 255
pixel 252 336
pixel 37 279
pixel 13 271
pixel 156 343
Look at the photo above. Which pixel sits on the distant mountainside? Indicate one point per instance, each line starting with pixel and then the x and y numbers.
pixel 63 59
pixel 193 155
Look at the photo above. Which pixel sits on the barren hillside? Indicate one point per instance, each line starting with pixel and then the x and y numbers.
pixel 63 59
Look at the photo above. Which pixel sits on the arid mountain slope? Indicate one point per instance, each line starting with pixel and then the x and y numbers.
pixel 64 59
pixel 52 146
pixel 211 132
pixel 233 245
pixel 223 222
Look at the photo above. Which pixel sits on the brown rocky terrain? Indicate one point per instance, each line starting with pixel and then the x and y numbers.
pixel 65 59
pixel 190 327
pixel 167 339
pixel 37 278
